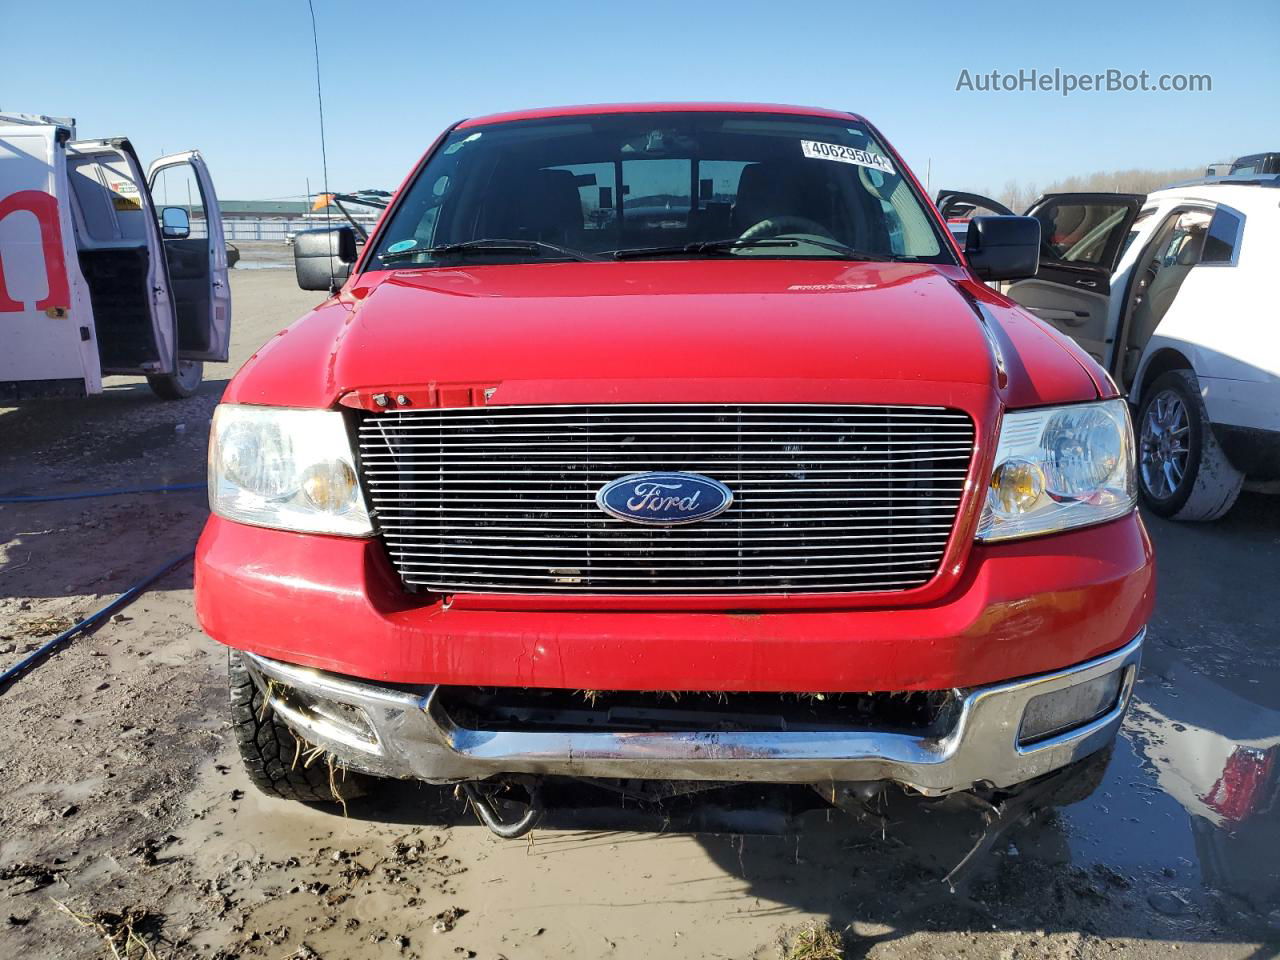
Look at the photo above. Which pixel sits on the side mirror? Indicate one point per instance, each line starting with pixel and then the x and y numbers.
pixel 322 259
pixel 1003 248
pixel 174 223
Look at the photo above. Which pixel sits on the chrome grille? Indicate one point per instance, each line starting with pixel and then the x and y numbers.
pixel 826 498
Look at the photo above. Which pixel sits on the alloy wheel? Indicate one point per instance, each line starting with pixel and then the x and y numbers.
pixel 1164 448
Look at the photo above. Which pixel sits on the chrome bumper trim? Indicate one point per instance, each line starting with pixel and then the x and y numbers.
pixel 411 737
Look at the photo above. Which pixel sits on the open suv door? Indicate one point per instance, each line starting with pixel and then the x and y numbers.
pixel 1081 238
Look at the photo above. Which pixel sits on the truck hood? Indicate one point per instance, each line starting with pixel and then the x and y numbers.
pixel 665 331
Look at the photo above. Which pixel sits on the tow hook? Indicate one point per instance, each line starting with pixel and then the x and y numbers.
pixel 482 803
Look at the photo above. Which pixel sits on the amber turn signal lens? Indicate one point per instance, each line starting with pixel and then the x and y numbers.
pixel 330 487
pixel 1015 486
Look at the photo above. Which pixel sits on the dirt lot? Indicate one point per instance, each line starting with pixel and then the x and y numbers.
pixel 120 791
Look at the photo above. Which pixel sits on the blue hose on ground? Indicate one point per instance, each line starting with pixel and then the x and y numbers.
pixel 90 621
pixel 88 494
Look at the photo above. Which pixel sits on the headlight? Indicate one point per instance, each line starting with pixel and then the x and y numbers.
pixel 291 469
pixel 1059 468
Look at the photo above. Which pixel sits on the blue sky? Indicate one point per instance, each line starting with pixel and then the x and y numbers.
pixel 236 80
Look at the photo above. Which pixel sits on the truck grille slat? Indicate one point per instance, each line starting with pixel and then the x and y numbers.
pixel 704 543
pixel 827 499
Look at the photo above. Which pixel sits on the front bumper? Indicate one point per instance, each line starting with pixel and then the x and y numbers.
pixel 1017 609
pixel 409 735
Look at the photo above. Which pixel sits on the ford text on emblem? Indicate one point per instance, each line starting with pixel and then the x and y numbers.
pixel 664 498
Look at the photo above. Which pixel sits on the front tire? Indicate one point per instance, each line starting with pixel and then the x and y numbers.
pixel 1182 472
pixel 180 385
pixel 273 756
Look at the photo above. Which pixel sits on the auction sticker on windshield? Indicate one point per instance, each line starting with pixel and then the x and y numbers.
pixel 817 150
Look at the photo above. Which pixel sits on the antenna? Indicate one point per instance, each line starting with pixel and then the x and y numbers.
pixel 324 156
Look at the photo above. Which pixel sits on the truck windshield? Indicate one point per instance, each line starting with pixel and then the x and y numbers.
pixel 659 185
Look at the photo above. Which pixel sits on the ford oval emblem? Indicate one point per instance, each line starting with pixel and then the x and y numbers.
pixel 664 499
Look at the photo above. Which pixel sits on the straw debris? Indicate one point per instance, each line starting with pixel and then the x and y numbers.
pixel 814 941
pixel 121 932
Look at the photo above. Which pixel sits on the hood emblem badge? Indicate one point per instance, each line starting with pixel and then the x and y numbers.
pixel 664 499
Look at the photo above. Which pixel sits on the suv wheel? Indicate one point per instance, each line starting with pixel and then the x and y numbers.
pixel 1182 472
pixel 273 756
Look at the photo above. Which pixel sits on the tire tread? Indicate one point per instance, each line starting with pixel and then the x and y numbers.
pixel 268 747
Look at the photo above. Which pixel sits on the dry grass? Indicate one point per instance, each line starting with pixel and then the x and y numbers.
pixel 815 941
pixel 119 931
pixel 44 626
pixel 313 753
pixel 266 700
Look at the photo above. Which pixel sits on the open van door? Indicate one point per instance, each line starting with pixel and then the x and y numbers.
pixel 195 252
pixel 1081 238
pixel 121 258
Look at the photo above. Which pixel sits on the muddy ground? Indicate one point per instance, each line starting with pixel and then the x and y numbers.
pixel 120 791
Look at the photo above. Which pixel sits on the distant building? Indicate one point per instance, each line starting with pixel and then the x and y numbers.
pixel 273 210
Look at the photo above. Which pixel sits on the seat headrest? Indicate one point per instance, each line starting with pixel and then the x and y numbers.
pixel 537 205
pixel 1192 248
pixel 774 188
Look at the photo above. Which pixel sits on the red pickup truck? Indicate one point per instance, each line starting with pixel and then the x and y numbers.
pixel 671 443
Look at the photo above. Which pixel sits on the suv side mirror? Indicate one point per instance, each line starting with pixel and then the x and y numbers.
pixel 322 258
pixel 174 223
pixel 1003 248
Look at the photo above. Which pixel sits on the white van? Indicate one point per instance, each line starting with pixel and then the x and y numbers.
pixel 94 279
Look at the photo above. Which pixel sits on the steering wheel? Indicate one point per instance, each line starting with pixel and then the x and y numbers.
pixel 776 226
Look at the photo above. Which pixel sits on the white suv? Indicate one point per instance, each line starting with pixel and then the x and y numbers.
pixel 1175 294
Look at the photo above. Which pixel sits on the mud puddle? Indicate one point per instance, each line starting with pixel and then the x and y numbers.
pixel 1191 804
pixel 408 872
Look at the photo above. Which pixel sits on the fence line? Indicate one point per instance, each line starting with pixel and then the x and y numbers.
pixel 271 230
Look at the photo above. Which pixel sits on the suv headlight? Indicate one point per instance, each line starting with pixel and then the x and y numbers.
pixel 1059 468
pixel 284 468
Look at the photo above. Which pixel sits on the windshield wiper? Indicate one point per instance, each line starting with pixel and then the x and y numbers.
pixel 486 246
pixel 706 246
pixel 730 243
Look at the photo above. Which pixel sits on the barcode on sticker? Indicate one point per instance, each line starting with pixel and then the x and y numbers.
pixel 816 150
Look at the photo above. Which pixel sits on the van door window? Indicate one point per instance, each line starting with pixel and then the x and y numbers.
pixel 110 201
